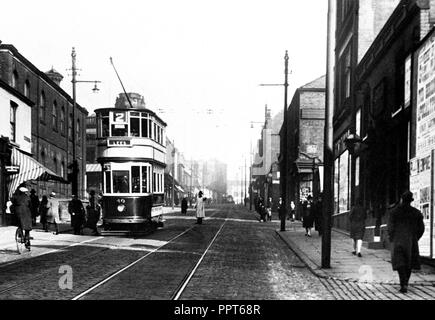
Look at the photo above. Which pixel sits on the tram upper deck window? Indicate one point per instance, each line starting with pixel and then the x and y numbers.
pixel 103 124
pixel 121 182
pixel 134 124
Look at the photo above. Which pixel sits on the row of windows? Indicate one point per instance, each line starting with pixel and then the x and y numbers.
pixel 136 180
pixel 54 111
pixel 129 124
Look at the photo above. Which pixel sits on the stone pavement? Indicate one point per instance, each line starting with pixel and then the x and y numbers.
pixel 374 267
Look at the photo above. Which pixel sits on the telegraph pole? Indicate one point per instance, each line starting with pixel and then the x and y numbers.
pixel 283 168
pixel 74 166
pixel 328 155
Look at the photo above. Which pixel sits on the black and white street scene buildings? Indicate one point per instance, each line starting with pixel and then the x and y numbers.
pixel 217 150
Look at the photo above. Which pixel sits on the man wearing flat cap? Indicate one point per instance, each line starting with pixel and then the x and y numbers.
pixel 405 228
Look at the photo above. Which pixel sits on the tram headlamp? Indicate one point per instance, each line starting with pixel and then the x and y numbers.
pixel 121 208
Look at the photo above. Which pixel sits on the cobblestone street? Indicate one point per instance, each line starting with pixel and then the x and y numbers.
pixel 232 256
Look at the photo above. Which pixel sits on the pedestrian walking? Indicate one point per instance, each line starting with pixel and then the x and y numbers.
pixel 405 228
pixel 53 216
pixel 43 208
pixel 308 215
pixel 21 208
pixel 77 212
pixel 292 211
pixel 281 209
pixel 184 205
pixel 318 215
pixel 357 219
pixel 93 213
pixel 200 209
pixel 269 209
pixel 34 206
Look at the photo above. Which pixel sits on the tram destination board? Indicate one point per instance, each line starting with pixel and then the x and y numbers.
pixel 118 142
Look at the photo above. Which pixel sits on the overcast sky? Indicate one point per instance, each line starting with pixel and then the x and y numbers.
pixel 183 56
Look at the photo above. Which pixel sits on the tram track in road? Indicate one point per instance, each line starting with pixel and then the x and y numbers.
pixel 185 280
pixel 189 276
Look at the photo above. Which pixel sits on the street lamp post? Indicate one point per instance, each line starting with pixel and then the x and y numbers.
pixel 328 155
pixel 74 165
pixel 283 169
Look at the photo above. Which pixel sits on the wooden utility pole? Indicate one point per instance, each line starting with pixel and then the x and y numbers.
pixel 328 155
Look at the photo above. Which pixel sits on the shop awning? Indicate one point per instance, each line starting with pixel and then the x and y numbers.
pixel 93 167
pixel 29 169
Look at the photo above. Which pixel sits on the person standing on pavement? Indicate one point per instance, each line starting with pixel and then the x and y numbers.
pixel 200 209
pixel 53 216
pixel 308 215
pixel 93 212
pixel 43 208
pixel 34 206
pixel 405 228
pixel 292 211
pixel 184 205
pixel 269 210
pixel 318 215
pixel 357 218
pixel 77 212
pixel 21 205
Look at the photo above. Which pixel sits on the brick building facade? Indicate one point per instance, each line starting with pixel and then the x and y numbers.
pixel 52 125
pixel 305 131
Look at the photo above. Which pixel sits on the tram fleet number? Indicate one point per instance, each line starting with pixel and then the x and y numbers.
pixel 223 309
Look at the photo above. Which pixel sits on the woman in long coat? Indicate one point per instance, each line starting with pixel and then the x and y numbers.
pixel 43 208
pixel 357 218
pixel 53 212
pixel 200 210
pixel 308 216
pixel 405 228
pixel 21 205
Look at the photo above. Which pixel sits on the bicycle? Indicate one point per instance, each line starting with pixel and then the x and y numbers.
pixel 20 240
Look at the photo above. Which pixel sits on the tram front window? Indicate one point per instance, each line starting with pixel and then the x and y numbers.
pixel 120 181
pixel 119 130
pixel 135 179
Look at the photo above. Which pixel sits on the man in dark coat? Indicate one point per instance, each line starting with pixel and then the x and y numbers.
pixel 34 206
pixel 308 215
pixel 357 218
pixel 184 205
pixel 77 212
pixel 21 205
pixel 405 228
pixel 318 215
pixel 93 211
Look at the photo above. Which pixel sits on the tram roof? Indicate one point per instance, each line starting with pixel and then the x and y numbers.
pixel 134 110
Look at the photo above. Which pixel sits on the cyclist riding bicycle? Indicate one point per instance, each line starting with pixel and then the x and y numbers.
pixel 21 205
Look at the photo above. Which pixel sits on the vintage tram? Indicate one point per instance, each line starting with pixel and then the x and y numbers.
pixel 132 153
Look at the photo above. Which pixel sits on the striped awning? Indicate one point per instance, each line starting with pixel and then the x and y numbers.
pixel 93 167
pixel 29 169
